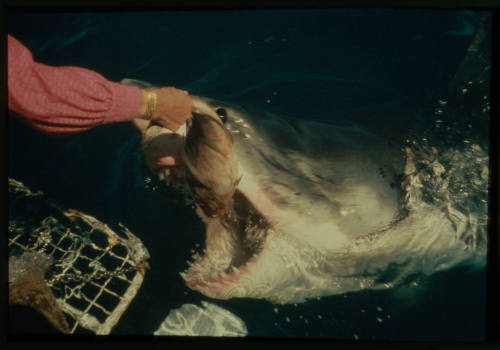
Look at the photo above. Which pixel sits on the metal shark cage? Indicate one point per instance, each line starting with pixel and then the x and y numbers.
pixel 93 272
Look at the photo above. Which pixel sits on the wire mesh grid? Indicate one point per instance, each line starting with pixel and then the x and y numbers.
pixel 95 272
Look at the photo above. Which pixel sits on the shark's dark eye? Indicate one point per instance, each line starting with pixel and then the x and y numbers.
pixel 222 113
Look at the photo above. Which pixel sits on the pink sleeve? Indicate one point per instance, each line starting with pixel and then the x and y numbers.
pixel 64 100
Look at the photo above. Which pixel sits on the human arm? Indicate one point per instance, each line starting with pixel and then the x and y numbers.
pixel 64 100
pixel 67 100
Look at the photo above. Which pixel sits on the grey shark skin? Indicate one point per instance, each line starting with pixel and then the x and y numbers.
pixel 333 221
pixel 322 210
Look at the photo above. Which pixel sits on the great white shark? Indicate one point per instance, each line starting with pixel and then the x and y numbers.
pixel 297 209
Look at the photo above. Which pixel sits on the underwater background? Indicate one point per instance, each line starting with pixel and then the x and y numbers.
pixel 323 65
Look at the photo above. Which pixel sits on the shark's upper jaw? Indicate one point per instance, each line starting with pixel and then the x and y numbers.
pixel 233 244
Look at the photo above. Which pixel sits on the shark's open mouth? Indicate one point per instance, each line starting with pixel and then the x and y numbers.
pixel 233 244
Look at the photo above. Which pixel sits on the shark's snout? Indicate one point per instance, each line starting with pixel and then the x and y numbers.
pixel 211 167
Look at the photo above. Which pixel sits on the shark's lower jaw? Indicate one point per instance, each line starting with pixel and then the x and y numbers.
pixel 233 244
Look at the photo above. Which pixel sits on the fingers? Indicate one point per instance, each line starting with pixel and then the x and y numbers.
pixel 141 125
pixel 174 107
pixel 163 154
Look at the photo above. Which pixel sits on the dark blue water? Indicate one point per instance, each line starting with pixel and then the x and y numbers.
pixel 316 64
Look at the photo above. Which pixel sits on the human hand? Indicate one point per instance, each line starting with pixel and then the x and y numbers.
pixel 170 107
